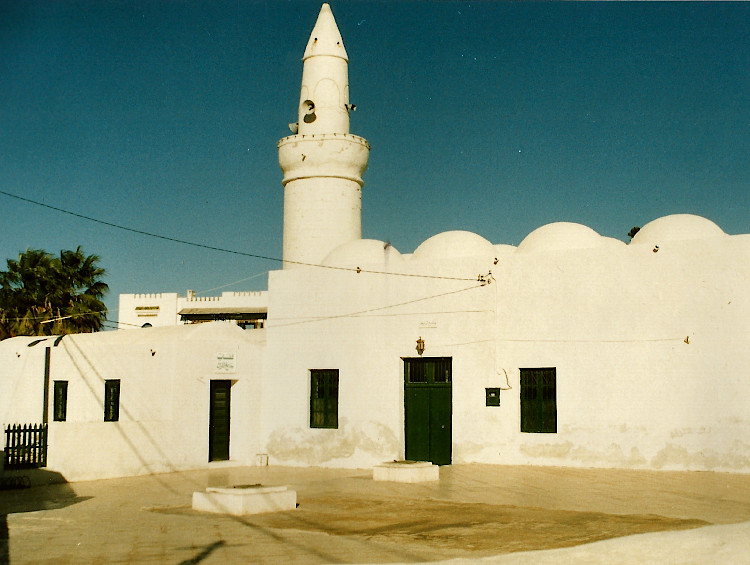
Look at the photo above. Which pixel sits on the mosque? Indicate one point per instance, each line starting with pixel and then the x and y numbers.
pixel 571 349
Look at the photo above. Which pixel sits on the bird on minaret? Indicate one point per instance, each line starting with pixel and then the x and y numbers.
pixel 322 162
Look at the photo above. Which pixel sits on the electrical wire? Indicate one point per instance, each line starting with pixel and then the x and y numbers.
pixel 222 249
pixel 46 320
pixel 232 283
pixel 362 312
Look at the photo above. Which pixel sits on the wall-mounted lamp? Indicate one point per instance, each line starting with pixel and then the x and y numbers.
pixel 153 353
pixel 420 346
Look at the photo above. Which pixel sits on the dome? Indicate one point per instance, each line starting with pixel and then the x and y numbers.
pixel 363 252
pixel 613 243
pixel 454 244
pixel 677 227
pixel 560 236
pixel 504 249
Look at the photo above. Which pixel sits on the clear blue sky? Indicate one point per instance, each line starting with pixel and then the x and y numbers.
pixel 491 117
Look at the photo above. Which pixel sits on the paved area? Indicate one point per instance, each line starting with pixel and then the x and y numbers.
pixel 495 514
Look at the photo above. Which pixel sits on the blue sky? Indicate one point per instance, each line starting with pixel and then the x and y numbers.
pixel 491 117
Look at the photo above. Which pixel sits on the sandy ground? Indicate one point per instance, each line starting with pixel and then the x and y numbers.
pixel 495 514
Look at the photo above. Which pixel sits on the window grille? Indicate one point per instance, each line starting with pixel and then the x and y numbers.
pixel 112 400
pixel 324 398
pixel 60 404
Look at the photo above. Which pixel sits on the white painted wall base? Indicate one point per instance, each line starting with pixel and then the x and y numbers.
pixel 239 501
pixel 406 472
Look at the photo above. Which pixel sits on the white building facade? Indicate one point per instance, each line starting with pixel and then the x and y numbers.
pixel 247 309
pixel 571 349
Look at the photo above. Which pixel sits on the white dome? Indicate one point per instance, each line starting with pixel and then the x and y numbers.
pixel 560 236
pixel 504 249
pixel 361 252
pixel 677 227
pixel 613 243
pixel 454 244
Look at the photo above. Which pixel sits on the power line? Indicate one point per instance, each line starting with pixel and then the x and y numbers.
pixel 369 310
pixel 232 283
pixel 141 232
pixel 46 320
pixel 222 249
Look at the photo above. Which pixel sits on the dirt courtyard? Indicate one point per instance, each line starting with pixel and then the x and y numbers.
pixel 343 516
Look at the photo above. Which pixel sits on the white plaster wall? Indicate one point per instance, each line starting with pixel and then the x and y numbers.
pixel 325 81
pixel 165 376
pixel 631 392
pixel 319 215
pixel 22 380
pixel 612 320
pixel 361 324
pixel 131 318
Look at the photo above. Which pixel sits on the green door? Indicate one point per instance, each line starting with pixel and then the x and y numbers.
pixel 538 400
pixel 218 426
pixel 428 409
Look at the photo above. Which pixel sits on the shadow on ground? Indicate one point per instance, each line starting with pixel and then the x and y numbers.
pixel 30 491
pixel 458 529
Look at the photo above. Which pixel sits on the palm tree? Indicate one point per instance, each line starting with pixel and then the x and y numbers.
pixel 81 292
pixel 45 295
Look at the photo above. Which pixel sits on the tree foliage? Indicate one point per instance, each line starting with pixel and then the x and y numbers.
pixel 634 230
pixel 42 294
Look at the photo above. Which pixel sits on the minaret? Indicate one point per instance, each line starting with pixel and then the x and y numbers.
pixel 322 163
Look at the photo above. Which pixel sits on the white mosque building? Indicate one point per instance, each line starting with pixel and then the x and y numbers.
pixel 571 349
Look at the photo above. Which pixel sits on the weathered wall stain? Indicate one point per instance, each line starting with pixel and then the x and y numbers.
pixel 556 450
pixel 318 446
pixel 689 431
pixel 612 454
pixel 678 457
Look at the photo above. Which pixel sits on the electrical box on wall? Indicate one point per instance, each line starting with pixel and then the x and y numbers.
pixel 493 396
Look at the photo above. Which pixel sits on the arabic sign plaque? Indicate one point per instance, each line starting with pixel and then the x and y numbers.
pixel 226 362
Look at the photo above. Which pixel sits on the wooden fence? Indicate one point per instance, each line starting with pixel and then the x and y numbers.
pixel 25 446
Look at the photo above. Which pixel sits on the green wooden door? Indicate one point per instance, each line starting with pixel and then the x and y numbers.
pixel 441 414
pixel 539 400
pixel 428 409
pixel 218 426
pixel 417 423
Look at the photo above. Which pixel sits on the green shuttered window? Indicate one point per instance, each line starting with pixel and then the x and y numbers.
pixel 324 398
pixel 539 400
pixel 60 400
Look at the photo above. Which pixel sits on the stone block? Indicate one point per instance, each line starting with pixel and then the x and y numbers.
pixel 406 472
pixel 245 499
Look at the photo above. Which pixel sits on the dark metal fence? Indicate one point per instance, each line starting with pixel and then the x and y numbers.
pixel 25 446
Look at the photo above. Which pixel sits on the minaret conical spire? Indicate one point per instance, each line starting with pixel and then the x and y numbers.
pixel 324 95
pixel 322 163
pixel 325 38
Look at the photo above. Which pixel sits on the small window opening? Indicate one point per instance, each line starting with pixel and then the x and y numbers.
pixel 60 404
pixel 112 400
pixel 309 108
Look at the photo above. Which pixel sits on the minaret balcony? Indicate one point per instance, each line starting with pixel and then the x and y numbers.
pixel 338 155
